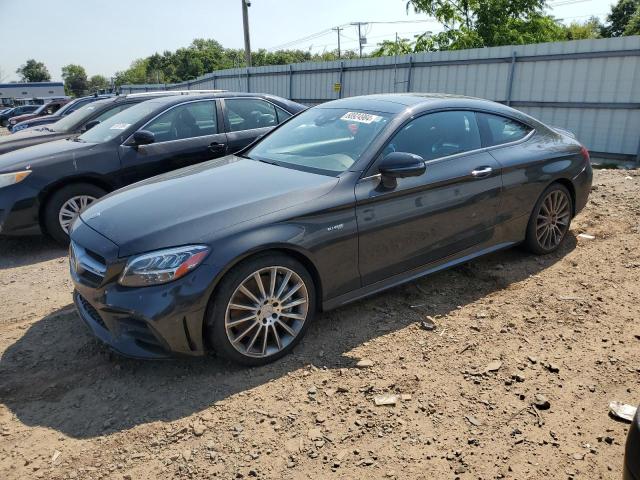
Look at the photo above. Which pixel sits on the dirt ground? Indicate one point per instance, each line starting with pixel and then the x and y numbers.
pixel 508 327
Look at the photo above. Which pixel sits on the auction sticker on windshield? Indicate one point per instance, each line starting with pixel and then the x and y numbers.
pixel 119 126
pixel 360 117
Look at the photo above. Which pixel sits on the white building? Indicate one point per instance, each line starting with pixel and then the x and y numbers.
pixel 10 92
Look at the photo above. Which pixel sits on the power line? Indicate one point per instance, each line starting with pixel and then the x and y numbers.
pixel 327 31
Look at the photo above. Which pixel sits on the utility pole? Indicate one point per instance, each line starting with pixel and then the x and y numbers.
pixel 360 39
pixel 245 23
pixel 337 29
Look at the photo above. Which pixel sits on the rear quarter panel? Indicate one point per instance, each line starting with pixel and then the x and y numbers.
pixel 529 167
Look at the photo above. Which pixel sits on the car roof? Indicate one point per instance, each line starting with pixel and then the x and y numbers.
pixel 170 100
pixel 395 103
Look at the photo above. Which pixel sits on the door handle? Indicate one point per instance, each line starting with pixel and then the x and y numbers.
pixel 481 172
pixel 216 147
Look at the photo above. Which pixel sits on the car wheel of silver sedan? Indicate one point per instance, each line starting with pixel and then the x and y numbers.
pixel 262 309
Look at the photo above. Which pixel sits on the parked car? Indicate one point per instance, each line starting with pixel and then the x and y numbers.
pixel 632 452
pixel 43 110
pixel 45 186
pixel 78 122
pixel 342 201
pixel 12 112
pixel 67 109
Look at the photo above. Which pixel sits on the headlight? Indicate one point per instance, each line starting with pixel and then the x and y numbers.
pixel 162 266
pixel 7 179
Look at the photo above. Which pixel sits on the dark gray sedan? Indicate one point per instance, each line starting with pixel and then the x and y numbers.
pixel 341 201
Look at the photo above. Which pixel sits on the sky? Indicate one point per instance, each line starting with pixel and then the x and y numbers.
pixel 106 37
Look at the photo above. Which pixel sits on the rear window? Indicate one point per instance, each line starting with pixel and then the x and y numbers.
pixel 498 130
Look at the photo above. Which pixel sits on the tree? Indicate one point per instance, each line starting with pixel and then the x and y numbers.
pixel 33 71
pixel 592 28
pixel 621 14
pixel 97 82
pixel 633 26
pixel 402 46
pixel 486 23
pixel 75 80
pixel 207 55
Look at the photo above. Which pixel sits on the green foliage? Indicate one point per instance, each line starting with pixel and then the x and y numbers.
pixel 33 71
pixel 486 23
pixel 97 82
pixel 592 28
pixel 75 80
pixel 623 13
pixel 633 26
pixel 205 56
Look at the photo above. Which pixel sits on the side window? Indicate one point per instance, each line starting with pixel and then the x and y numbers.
pixel 437 135
pixel 193 119
pixel 497 130
pixel 249 113
pixel 282 115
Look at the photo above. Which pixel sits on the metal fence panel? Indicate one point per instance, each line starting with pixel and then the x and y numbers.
pixel 591 87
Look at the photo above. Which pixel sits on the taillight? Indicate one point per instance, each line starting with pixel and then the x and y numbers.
pixel 585 154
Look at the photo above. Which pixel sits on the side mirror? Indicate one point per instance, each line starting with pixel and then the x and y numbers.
pixel 143 137
pixel 91 124
pixel 400 165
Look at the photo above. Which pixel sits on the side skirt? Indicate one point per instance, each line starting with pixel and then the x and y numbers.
pixel 405 277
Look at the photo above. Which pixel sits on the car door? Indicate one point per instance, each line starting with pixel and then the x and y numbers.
pixel 451 207
pixel 185 134
pixel 248 118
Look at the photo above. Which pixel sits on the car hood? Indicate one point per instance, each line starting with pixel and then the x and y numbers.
pixel 23 117
pixel 26 158
pixel 43 120
pixel 190 205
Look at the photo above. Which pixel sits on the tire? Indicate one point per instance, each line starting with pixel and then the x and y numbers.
pixel 552 213
pixel 53 207
pixel 251 347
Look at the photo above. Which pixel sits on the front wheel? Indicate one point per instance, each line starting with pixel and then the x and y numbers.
pixel 261 309
pixel 65 205
pixel 550 220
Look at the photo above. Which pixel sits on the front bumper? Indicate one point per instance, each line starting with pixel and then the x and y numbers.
pixel 19 210
pixel 147 322
pixel 632 452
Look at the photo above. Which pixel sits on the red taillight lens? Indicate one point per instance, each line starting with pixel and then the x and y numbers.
pixel 585 154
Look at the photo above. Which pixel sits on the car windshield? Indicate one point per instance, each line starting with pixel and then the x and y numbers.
pixel 41 108
pixel 327 140
pixel 114 126
pixel 70 122
pixel 66 107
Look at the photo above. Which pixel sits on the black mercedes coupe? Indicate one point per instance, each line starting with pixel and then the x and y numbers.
pixel 343 200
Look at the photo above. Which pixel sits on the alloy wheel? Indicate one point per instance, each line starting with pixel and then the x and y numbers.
pixel 71 209
pixel 553 219
pixel 266 311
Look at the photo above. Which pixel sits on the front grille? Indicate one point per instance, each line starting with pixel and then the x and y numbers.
pixel 88 265
pixel 92 312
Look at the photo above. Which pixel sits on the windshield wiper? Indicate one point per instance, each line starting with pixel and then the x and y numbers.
pixel 270 162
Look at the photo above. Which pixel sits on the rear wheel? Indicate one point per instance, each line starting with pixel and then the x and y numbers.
pixel 550 220
pixel 261 310
pixel 65 205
